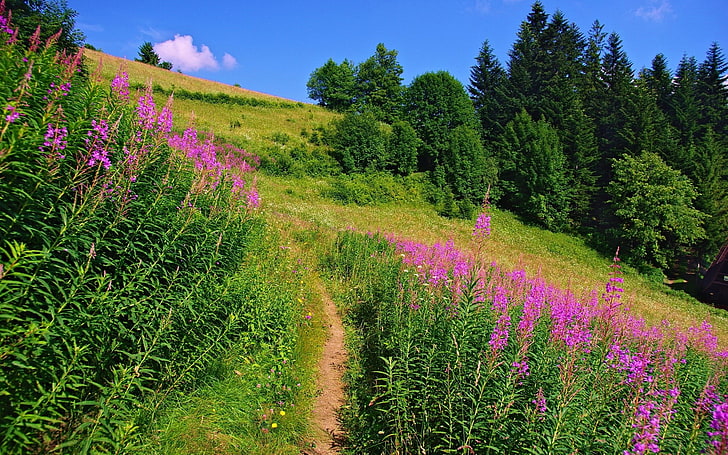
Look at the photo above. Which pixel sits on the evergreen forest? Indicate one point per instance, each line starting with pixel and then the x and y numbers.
pixel 566 134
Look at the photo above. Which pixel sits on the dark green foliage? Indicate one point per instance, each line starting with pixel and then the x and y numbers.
pixel 709 173
pixel 374 86
pixel 684 111
pixel 358 143
pixel 402 146
pixel 488 90
pixel 468 172
pixel 659 82
pixel 534 176
pixel 147 54
pixel 379 85
pixel 435 104
pixel 655 208
pixel 333 85
pixel 374 188
pixel 48 17
pixel 713 90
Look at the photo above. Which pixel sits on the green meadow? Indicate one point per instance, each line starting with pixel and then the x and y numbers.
pixel 155 305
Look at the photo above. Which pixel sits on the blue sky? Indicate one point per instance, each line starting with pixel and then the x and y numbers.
pixel 273 46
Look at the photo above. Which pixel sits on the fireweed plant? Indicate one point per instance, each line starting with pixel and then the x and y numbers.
pixel 453 355
pixel 121 244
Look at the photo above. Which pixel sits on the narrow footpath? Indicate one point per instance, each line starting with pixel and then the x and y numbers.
pixel 330 383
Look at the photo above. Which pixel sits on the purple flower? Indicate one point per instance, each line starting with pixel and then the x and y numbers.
pixel 719 425
pixel 120 86
pixel 146 110
pixel 499 336
pixel 13 115
pixel 647 424
pixel 55 139
pixel 482 226
pixel 99 134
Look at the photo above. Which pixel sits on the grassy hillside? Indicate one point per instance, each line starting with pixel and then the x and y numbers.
pixel 559 258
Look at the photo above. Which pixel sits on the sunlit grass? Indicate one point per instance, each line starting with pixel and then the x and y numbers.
pixel 561 259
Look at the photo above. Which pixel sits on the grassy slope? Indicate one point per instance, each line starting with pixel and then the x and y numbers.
pixel 560 259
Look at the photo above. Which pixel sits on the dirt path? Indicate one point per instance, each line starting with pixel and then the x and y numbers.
pixel 330 384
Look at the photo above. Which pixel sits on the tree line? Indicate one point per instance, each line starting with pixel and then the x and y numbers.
pixel 565 134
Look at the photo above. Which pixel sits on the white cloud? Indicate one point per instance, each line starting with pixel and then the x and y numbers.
pixel 185 56
pixel 656 11
pixel 228 61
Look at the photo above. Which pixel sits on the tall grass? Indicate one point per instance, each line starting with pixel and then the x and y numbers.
pixel 453 354
pixel 122 245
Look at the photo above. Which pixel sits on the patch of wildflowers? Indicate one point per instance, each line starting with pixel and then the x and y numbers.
pixel 499 335
pixel 146 110
pixel 97 144
pixel 55 141
pixel 120 86
pixel 647 424
pixel 719 429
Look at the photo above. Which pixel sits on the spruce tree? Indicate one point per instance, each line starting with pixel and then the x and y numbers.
pixel 487 89
pixel 534 179
pixel 684 112
pixel 527 61
pixel 713 91
pixel 659 81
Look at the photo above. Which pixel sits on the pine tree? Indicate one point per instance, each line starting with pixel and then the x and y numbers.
pixel 534 179
pixel 713 90
pixel 615 117
pixel 147 54
pixel 487 89
pixel 710 176
pixel 684 112
pixel 659 81
pixel 527 61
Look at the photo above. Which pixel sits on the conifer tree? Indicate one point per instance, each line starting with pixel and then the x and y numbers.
pixel 710 176
pixel 533 176
pixel 616 111
pixel 487 89
pixel 659 81
pixel 684 112
pixel 147 54
pixel 527 60
pixel 713 90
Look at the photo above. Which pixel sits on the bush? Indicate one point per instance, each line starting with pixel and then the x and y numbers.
pixel 375 188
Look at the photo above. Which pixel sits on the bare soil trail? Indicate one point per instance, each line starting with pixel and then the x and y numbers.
pixel 330 383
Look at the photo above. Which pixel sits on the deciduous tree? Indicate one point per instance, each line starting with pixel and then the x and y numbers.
pixel 655 208
pixel 333 85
